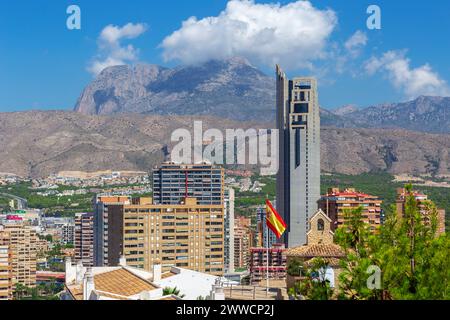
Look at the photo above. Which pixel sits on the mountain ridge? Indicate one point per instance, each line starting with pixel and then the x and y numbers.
pixel 234 89
pixel 37 144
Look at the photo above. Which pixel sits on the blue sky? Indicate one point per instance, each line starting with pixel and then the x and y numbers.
pixel 43 65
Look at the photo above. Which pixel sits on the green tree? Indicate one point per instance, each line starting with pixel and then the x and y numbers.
pixel 313 285
pixel 172 291
pixel 294 268
pixel 355 238
pixel 413 260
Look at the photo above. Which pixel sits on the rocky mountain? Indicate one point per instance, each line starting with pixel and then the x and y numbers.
pixel 37 144
pixel 236 90
pixel 228 89
pixel 427 114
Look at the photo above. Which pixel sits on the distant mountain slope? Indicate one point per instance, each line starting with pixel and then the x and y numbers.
pixel 234 89
pixel 229 89
pixel 40 143
pixel 428 114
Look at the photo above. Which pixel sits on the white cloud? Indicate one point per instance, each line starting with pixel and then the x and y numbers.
pixel 355 43
pixel 111 51
pixel 413 82
pixel 294 34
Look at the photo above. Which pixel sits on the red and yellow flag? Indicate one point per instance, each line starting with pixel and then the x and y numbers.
pixel 274 220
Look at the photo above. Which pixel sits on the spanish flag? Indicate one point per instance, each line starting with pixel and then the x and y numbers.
pixel 274 220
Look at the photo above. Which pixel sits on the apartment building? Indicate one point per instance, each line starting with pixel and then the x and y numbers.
pixel 260 268
pixel 337 201
pixel 424 208
pixel 84 238
pixel 5 266
pixel 22 246
pixel 229 230
pixel 243 241
pixel 186 235
pixel 108 229
pixel 298 177
pixel 172 183
pixel 68 233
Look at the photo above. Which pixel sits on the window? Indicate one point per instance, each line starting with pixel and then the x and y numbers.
pixel 320 225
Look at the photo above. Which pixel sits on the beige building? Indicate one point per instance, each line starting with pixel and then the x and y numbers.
pixel 186 235
pixel 337 201
pixel 5 267
pixel 42 247
pixel 23 250
pixel 243 241
pixel 84 239
pixel 320 245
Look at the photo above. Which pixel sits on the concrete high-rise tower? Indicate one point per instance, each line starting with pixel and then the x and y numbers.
pixel 298 179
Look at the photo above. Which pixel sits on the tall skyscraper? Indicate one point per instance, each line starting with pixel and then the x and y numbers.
pixel 298 179
pixel 22 246
pixel 84 239
pixel 108 229
pixel 5 266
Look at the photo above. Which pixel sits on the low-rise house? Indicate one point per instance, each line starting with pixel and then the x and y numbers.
pixel 320 244
pixel 128 283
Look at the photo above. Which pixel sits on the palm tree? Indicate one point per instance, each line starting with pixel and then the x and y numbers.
pixel 172 291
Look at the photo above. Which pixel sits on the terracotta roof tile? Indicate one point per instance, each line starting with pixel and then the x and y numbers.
pixel 121 282
pixel 316 250
pixel 111 284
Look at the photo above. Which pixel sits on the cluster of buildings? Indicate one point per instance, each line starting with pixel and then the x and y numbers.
pixel 9 178
pixel 187 235
pixel 244 184
pixel 93 179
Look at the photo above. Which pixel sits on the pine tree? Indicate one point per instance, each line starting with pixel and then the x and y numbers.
pixel 412 258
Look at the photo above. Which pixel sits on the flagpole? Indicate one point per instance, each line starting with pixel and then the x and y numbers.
pixel 267 245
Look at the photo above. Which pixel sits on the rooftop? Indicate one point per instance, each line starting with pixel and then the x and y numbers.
pixel 316 251
pixel 116 284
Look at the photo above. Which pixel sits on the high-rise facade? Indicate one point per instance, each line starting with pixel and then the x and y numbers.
pixel 5 267
pixel 108 229
pixel 243 242
pixel 229 230
pixel 172 183
pixel 298 178
pixel 84 239
pixel 186 235
pixel 22 246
